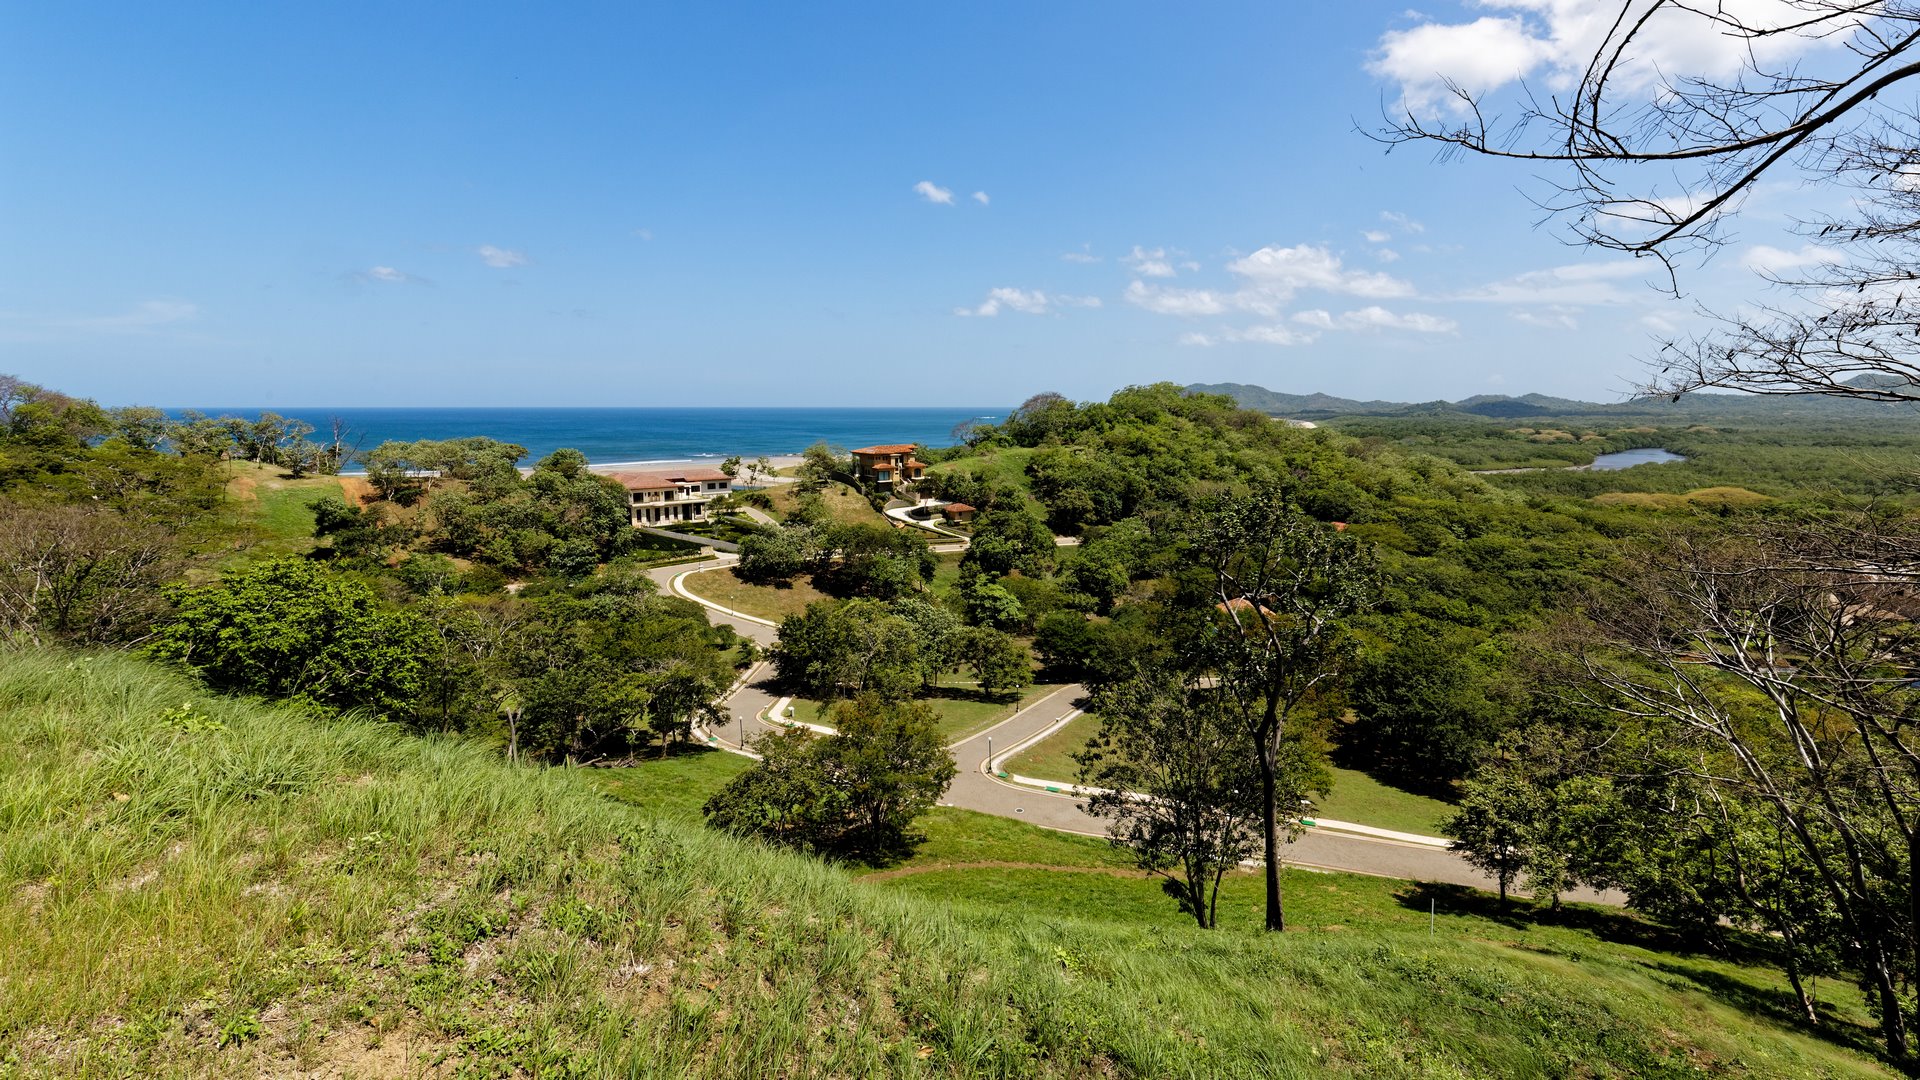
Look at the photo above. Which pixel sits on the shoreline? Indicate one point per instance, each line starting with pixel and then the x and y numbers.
pixel 778 461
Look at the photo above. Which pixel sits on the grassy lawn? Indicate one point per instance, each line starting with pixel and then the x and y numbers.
pixel 763 601
pixel 1361 799
pixel 946 572
pixel 1052 757
pixel 954 837
pixel 960 716
pixel 1356 797
pixel 273 509
pixel 844 504
pixel 676 787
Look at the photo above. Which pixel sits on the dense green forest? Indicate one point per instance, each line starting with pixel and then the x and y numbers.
pixel 1257 610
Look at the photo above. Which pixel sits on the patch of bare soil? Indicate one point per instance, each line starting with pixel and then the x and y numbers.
pixel 357 490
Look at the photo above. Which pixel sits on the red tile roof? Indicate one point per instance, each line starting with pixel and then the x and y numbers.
pixel 894 448
pixel 957 508
pixel 657 481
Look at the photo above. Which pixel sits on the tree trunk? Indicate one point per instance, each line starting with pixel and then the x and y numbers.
pixel 1270 831
pixel 1807 1003
pixel 1893 1027
pixel 1913 910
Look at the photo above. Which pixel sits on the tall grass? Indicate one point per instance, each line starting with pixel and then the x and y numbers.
pixel 198 886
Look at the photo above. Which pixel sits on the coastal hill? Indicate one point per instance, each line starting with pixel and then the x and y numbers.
pixel 208 886
pixel 1690 409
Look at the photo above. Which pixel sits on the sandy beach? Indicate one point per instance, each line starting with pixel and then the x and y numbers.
pixel 780 461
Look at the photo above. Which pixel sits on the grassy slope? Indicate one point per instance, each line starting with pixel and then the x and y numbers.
pixel 274 510
pixel 844 504
pixel 247 892
pixel 1005 467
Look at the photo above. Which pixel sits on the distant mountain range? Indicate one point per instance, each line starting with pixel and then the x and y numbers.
pixel 1692 408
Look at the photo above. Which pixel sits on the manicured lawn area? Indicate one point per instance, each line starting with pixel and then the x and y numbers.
pixel 1361 799
pixel 946 572
pixel 1356 797
pixel 1052 757
pixel 762 601
pixel 955 837
pixel 677 786
pixel 960 716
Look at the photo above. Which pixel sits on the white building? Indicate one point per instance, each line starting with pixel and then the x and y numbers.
pixel 661 498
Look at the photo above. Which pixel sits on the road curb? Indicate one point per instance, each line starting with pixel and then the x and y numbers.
pixel 680 588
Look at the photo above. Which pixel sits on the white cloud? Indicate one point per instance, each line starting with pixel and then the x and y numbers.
pixel 1079 257
pixel 1187 302
pixel 1149 263
pixel 1271 334
pixel 1576 285
pixel 934 193
pixel 387 275
pixel 1026 302
pixel 1305 327
pixel 1552 41
pixel 1386 255
pixel 1401 221
pixel 644 234
pixel 1376 236
pixel 1374 317
pixel 981 198
pixel 1277 272
pixel 1766 259
pixel 1269 278
pixel 1550 319
pixel 500 258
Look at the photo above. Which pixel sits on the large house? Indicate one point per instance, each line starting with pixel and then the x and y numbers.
pixel 888 467
pixel 658 498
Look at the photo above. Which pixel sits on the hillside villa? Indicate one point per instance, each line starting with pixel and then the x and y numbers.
pixel 657 498
pixel 890 467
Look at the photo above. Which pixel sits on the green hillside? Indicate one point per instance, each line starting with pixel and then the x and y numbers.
pixel 201 886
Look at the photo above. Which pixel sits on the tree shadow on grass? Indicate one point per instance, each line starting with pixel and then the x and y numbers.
pixel 1614 926
pixel 1777 1004
pixel 968 693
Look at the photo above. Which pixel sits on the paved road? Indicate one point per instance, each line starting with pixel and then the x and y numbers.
pixel 975 788
pixel 755 630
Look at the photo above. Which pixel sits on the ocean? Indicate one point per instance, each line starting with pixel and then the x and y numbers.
pixel 639 435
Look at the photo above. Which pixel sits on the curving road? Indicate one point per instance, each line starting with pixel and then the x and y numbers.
pixel 976 788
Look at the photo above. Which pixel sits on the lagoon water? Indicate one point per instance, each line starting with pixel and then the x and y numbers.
pixel 621 435
pixel 1627 459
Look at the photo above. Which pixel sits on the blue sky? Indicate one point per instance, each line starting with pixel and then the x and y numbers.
pixel 343 204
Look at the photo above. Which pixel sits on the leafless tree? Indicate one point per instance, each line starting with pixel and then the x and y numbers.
pixel 1785 663
pixel 80 573
pixel 1656 163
